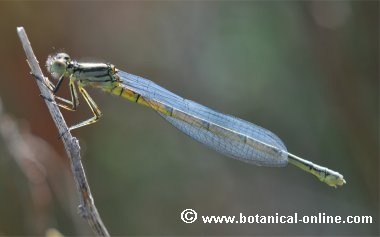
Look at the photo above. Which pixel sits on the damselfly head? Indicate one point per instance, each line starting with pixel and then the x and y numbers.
pixel 57 64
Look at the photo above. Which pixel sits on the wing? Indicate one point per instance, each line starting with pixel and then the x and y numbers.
pixel 226 134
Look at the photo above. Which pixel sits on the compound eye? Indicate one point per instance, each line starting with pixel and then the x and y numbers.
pixel 63 56
pixel 60 64
pixel 57 69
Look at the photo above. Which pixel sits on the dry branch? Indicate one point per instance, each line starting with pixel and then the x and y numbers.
pixel 87 207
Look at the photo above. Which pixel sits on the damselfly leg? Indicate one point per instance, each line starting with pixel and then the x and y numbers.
pixel 94 108
pixel 73 104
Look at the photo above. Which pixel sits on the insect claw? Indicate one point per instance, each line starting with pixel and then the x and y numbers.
pixel 61 135
pixel 36 77
pixel 47 99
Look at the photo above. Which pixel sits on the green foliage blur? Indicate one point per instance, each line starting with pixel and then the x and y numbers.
pixel 306 70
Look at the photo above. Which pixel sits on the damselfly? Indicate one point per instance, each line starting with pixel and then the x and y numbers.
pixel 224 133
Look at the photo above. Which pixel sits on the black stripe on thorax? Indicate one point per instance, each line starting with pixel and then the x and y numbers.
pixel 106 80
pixel 94 69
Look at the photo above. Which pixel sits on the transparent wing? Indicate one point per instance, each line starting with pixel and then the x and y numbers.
pixel 226 134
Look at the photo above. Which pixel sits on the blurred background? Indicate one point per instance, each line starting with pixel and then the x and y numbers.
pixel 306 70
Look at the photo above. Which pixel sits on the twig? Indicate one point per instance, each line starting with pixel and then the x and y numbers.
pixel 87 207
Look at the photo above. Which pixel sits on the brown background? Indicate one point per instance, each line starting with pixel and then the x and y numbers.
pixel 307 71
